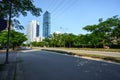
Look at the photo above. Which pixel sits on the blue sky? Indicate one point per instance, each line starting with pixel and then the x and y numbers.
pixel 72 15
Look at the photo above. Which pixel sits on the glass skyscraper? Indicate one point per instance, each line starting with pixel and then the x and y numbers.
pixel 46 24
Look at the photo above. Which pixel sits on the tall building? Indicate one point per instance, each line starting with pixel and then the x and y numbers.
pixel 46 24
pixel 33 31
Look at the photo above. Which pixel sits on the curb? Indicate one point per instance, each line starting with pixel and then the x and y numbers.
pixel 106 58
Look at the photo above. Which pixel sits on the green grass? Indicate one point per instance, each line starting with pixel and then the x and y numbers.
pixel 94 49
pixel 108 58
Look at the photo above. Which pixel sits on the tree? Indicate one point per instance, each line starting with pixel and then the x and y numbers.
pixel 102 29
pixel 83 40
pixel 3 38
pixel 69 40
pixel 55 40
pixel 47 42
pixel 19 7
pixel 115 22
pixel 16 38
pixel 105 30
pixel 94 40
pixel 60 40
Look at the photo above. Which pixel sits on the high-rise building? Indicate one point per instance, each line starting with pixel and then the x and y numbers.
pixel 46 24
pixel 33 31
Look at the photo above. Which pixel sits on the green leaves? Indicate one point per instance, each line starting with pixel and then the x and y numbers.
pixel 91 27
pixel 17 24
pixel 105 30
pixel 16 38
pixel 19 7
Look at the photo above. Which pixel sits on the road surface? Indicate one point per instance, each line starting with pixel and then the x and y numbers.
pixel 44 65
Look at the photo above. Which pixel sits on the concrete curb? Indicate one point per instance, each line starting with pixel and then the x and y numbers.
pixel 102 57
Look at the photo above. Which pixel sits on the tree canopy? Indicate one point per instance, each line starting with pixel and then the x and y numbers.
pixel 16 38
pixel 19 7
pixel 107 30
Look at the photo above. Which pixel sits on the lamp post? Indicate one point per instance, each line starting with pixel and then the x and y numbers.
pixel 8 37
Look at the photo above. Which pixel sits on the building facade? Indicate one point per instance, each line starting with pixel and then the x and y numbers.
pixel 33 30
pixel 46 24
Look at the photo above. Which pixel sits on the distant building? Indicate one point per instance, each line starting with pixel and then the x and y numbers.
pixel 46 24
pixel 33 30
pixel 58 32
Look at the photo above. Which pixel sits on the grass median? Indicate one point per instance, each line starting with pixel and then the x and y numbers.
pixel 94 49
pixel 107 58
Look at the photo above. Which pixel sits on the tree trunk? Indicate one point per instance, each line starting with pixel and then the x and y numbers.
pixel 94 46
pixel 13 47
pixel 69 44
pixel 103 43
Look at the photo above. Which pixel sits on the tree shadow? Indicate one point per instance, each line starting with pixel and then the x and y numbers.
pixel 2 67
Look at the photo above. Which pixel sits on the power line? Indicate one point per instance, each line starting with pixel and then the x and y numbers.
pixel 51 4
pixel 62 7
pixel 66 8
pixel 58 8
pixel 54 5
pixel 61 3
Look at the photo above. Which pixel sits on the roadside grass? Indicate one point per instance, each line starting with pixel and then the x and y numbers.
pixel 91 49
pixel 107 58
pixel 2 67
pixel 94 49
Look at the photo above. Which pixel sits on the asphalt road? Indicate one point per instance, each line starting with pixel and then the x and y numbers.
pixel 44 65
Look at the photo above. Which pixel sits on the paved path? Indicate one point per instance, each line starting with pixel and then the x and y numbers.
pixel 45 65
pixel 7 72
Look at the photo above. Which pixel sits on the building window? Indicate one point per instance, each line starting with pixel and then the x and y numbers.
pixel 37 31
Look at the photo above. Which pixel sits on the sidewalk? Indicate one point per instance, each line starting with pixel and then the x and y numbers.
pixel 8 70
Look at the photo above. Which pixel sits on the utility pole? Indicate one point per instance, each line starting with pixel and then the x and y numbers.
pixel 8 37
